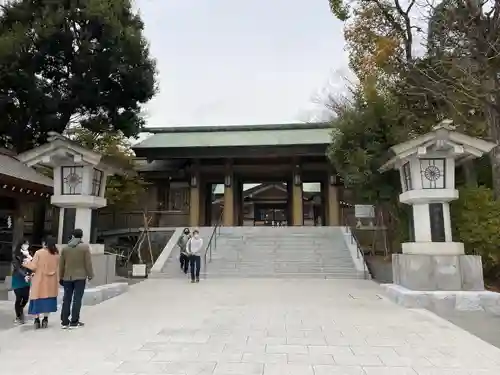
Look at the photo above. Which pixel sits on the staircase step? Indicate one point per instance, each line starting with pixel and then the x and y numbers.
pixel 272 276
pixel 286 252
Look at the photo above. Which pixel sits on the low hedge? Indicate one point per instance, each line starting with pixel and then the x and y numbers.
pixel 476 223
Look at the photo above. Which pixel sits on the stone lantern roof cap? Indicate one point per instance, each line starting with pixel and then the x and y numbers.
pixel 60 149
pixel 442 138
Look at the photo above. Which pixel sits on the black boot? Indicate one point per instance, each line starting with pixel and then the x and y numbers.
pixel 37 323
pixel 45 322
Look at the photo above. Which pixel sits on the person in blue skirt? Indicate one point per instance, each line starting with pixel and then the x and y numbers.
pixel 44 283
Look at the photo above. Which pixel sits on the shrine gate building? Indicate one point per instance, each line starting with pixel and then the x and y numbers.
pixel 214 163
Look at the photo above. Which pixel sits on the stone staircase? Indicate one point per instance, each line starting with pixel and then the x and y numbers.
pixel 283 252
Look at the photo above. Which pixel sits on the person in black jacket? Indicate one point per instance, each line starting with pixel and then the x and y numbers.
pixel 21 280
pixel 182 243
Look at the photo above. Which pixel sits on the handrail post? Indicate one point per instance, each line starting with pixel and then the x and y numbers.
pixel 205 265
pixel 215 245
pixel 212 242
pixel 359 251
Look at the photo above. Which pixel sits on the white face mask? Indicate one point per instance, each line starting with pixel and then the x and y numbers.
pixel 25 247
pixel 196 236
pixel 26 254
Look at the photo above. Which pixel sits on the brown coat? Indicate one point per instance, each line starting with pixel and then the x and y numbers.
pixel 76 263
pixel 45 281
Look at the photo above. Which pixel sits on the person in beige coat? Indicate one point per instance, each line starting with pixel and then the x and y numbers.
pixel 44 282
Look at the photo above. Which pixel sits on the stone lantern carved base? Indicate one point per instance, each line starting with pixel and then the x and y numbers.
pixel 440 283
pixel 444 301
pixel 104 269
pixel 438 272
pixel 104 265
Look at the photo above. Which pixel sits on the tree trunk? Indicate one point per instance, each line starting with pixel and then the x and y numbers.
pixel 494 128
pixel 39 211
pixel 470 173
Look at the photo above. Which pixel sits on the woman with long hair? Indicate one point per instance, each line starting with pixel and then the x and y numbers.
pixel 21 280
pixel 44 283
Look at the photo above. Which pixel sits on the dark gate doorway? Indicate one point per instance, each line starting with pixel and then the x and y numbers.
pixel 270 214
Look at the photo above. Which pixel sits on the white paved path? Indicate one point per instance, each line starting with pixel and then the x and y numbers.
pixel 250 327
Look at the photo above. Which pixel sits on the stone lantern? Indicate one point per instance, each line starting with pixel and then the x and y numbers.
pixel 80 178
pixel 431 260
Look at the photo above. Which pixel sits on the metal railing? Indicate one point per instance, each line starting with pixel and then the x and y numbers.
pixel 359 251
pixel 212 244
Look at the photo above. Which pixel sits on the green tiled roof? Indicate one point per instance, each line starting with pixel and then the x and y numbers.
pixel 239 136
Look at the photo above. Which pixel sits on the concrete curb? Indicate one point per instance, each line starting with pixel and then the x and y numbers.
pixel 359 262
pixel 93 295
pixel 165 254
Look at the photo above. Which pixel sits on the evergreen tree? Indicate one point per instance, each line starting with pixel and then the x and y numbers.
pixel 65 62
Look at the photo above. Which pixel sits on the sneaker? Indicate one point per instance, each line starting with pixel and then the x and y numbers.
pixel 64 326
pixel 19 321
pixel 37 323
pixel 197 280
pixel 192 281
pixel 76 325
pixel 45 322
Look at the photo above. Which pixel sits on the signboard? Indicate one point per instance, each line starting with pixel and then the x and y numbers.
pixel 364 211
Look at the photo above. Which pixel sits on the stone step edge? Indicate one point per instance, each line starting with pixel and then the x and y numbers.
pixel 265 274
pixel 291 277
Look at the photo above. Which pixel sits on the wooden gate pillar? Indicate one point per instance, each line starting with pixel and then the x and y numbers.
pixel 297 199
pixel 228 219
pixel 194 197
pixel 332 201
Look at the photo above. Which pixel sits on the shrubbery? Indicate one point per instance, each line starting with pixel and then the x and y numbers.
pixel 476 220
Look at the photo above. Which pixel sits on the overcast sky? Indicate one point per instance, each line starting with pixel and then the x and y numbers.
pixel 227 62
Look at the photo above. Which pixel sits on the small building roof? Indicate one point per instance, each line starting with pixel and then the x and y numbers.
pixel 12 167
pixel 238 136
